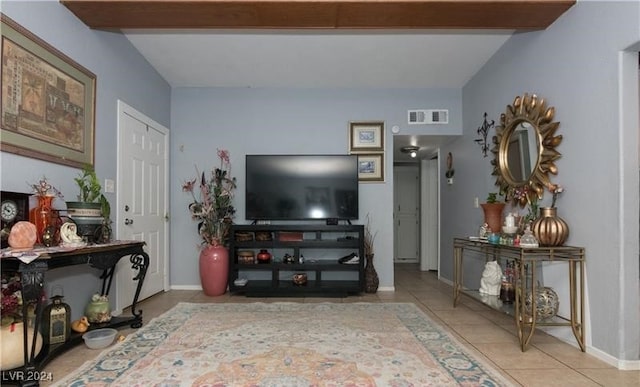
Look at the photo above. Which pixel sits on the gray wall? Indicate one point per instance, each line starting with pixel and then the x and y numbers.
pixel 281 121
pixel 577 65
pixel 122 73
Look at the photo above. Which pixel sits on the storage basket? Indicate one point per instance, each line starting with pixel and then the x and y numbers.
pixel 263 236
pixel 246 257
pixel 244 236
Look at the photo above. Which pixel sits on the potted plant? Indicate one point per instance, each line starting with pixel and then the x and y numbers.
pixel 493 208
pixel 88 199
pixel 92 209
pixel 212 207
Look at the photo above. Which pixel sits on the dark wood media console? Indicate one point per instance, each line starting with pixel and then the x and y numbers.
pixel 321 247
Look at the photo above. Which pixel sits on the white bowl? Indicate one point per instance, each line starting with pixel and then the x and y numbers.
pixel 509 230
pixel 99 338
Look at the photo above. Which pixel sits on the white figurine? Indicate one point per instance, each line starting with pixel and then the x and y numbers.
pixel 484 231
pixel 491 279
pixel 69 235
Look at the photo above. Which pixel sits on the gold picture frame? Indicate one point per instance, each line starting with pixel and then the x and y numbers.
pixel 48 100
pixel 366 137
pixel 371 167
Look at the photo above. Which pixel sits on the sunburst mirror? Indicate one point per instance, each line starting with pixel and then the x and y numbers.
pixel 525 149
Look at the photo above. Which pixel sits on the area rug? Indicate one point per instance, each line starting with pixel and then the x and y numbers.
pixel 289 345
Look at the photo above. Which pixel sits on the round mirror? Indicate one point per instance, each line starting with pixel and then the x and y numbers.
pixel 524 149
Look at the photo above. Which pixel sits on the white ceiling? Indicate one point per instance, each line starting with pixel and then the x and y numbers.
pixel 320 59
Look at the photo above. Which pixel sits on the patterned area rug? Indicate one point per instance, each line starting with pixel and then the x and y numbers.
pixel 288 344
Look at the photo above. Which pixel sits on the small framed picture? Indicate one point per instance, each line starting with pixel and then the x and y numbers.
pixel 366 137
pixel 371 167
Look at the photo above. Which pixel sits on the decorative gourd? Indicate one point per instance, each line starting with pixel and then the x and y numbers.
pixel 12 345
pixel 23 235
pixel 81 325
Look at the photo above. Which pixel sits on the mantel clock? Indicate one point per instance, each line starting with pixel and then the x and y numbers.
pixel 14 207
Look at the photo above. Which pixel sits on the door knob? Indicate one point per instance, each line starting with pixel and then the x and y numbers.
pixel 128 221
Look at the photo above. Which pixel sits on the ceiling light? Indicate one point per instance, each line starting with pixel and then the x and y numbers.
pixel 411 150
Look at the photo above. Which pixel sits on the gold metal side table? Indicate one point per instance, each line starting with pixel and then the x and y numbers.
pixel 526 322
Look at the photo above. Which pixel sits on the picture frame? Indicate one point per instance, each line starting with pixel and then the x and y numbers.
pixel 48 100
pixel 366 137
pixel 371 167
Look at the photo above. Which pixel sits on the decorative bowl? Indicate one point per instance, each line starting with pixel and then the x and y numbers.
pixel 99 338
pixel 300 279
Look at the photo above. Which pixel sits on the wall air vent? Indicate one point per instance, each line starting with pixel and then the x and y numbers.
pixel 428 116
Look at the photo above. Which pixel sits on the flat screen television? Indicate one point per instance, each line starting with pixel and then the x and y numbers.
pixel 301 187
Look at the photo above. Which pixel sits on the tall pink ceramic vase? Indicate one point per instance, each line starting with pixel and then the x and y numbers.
pixel 214 268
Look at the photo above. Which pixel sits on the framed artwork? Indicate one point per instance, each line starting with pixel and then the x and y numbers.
pixel 366 137
pixel 371 167
pixel 48 100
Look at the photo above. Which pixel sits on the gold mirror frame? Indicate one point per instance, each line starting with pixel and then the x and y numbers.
pixel 533 110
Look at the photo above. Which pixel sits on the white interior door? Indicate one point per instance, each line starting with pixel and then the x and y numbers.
pixel 142 212
pixel 406 213
pixel 430 247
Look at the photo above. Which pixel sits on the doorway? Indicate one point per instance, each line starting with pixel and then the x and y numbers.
pixel 142 197
pixel 406 213
pixel 430 238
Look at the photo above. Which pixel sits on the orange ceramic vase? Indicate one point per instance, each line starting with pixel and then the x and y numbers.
pixel 214 270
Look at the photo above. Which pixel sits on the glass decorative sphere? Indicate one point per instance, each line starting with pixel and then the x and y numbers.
pixel 547 303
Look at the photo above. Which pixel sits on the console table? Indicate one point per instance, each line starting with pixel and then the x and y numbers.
pixel 526 322
pixel 103 257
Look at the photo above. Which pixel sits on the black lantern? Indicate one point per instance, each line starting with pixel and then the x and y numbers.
pixel 56 327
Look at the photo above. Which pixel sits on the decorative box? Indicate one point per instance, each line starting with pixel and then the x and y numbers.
pixel 246 257
pixel 290 236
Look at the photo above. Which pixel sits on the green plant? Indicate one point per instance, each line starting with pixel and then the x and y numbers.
pixel 492 197
pixel 90 192
pixel 104 232
pixel 89 185
pixel 105 207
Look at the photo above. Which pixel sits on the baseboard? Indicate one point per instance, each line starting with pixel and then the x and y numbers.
pixel 446 281
pixel 186 287
pixel 623 365
pixel 196 287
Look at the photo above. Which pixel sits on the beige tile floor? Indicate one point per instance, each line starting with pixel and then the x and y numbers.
pixel 490 335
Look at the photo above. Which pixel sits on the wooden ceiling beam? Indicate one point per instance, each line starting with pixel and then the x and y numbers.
pixel 318 14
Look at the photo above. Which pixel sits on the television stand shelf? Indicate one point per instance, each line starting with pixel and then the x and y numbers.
pixel 321 246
